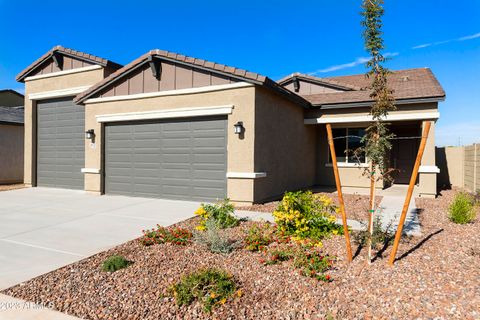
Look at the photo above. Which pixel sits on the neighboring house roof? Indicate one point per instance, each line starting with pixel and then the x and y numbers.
pixel 12 115
pixel 11 98
pixel 68 52
pixel 213 67
pixel 407 84
pixel 329 82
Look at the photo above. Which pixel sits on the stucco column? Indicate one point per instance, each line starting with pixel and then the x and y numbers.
pixel 29 142
pixel 428 169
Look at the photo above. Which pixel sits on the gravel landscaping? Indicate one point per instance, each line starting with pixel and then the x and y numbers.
pixel 437 276
pixel 356 205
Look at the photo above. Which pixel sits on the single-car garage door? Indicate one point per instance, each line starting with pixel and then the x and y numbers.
pixel 177 159
pixel 60 143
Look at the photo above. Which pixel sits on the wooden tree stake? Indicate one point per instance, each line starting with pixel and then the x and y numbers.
pixel 413 179
pixel 371 213
pixel 339 190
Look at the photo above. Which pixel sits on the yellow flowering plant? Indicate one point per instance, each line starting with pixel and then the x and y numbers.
pixel 221 213
pixel 304 215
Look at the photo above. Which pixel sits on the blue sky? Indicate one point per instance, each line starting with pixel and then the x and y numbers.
pixel 274 38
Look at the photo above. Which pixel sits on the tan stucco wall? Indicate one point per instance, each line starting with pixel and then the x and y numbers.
pixel 240 156
pixel 428 181
pixel 450 162
pixel 60 82
pixel 284 146
pixel 11 153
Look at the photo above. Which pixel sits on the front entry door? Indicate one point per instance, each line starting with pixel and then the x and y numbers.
pixel 404 152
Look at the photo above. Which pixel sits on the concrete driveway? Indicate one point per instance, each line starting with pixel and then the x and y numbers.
pixel 42 229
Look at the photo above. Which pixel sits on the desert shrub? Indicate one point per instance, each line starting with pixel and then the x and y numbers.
pixel 213 240
pixel 381 237
pixel 210 287
pixel 304 215
pixel 175 235
pixel 221 213
pixel 462 208
pixel 114 263
pixel 313 263
pixel 259 236
pixel 278 255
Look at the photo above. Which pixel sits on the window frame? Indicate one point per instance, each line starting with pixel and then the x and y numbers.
pixel 346 163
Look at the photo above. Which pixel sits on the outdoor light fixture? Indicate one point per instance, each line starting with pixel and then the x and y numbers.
pixel 239 127
pixel 89 134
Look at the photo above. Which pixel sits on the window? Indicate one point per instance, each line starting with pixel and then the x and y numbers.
pixel 346 141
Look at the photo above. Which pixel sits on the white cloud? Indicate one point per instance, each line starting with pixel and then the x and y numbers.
pixel 457 134
pixel 464 38
pixel 354 63
pixel 470 37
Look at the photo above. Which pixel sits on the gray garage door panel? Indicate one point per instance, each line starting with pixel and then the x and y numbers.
pixel 176 159
pixel 60 143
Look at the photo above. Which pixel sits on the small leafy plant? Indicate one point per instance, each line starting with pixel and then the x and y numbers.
pixel 304 215
pixel 175 235
pixel 380 237
pixel 114 263
pixel 210 287
pixel 314 264
pixel 278 255
pixel 259 236
pixel 462 208
pixel 213 239
pixel 221 213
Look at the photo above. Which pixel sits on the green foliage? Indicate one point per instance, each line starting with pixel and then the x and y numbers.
pixel 377 136
pixel 259 236
pixel 114 263
pixel 213 240
pixel 221 213
pixel 175 235
pixel 314 264
pixel 462 208
pixel 277 255
pixel 210 287
pixel 381 237
pixel 304 215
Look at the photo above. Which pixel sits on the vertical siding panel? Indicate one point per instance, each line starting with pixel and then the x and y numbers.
pixel 168 77
pixel 217 79
pixel 76 64
pixel 122 88
pixel 150 83
pixel 201 78
pixel 136 82
pixel 67 63
pixel 184 77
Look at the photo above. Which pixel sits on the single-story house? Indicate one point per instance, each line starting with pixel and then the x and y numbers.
pixel 11 137
pixel 172 126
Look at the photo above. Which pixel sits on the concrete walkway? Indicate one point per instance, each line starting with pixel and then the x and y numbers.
pixel 43 229
pixel 16 309
pixel 391 207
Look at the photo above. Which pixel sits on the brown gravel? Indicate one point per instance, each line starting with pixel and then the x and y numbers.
pixel 6 187
pixel 356 206
pixel 436 278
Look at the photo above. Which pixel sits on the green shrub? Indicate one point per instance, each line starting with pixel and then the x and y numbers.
pixel 313 264
pixel 304 215
pixel 114 263
pixel 213 240
pixel 210 287
pixel 380 236
pixel 462 208
pixel 278 255
pixel 259 236
pixel 221 213
pixel 173 235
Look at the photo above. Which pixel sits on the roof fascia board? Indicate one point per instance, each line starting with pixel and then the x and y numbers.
pixel 314 81
pixel 368 118
pixel 63 72
pixel 369 103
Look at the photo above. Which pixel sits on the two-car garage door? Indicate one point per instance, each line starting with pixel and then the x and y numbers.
pixel 175 159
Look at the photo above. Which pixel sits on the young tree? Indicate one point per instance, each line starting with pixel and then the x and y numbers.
pixel 377 136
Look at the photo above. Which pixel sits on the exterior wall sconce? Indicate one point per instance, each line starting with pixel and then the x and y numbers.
pixel 90 134
pixel 239 127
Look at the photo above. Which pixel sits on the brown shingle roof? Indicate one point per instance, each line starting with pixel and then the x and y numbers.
pixel 407 84
pixel 325 81
pixel 80 55
pixel 241 74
